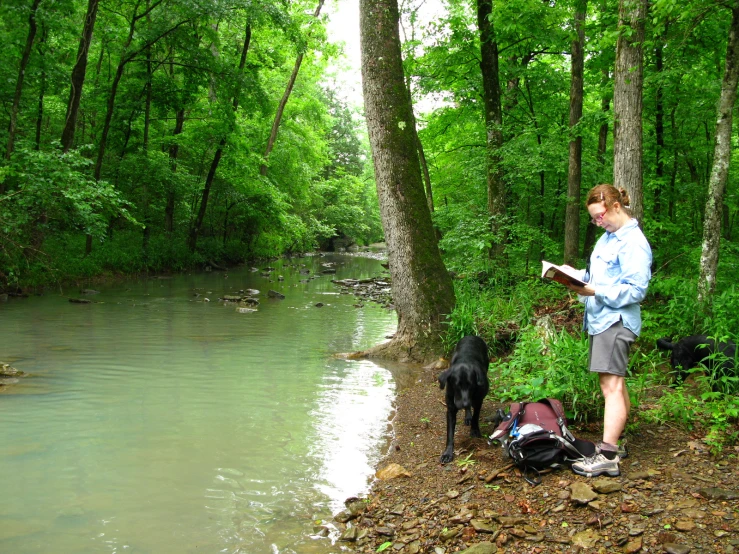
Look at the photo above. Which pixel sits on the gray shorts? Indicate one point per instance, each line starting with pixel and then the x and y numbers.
pixel 609 350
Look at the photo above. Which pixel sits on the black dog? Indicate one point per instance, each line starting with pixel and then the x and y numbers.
pixel 466 383
pixel 690 351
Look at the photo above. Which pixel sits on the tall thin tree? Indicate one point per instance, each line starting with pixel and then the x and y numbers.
pixel 574 173
pixel 25 56
pixel 493 119
pixel 283 101
pixel 202 209
pixel 720 168
pixel 78 76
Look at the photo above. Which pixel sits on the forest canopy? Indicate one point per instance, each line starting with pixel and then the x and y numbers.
pixel 148 136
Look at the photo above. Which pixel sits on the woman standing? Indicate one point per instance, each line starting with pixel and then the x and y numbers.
pixel 618 276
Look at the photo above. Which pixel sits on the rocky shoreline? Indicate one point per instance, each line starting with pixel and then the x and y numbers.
pixel 672 495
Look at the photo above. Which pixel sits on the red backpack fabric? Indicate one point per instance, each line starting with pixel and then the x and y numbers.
pixel 535 436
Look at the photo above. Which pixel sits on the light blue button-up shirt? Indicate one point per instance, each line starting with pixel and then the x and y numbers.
pixel 620 269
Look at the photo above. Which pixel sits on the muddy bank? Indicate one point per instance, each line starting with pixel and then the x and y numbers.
pixel 672 495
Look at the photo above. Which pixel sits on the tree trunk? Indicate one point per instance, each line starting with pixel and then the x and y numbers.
pixel 195 229
pixel 125 58
pixel 42 90
pixel 283 103
pixel 574 173
pixel 600 155
pixel 78 76
pixel 659 132
pixel 171 192
pixel 627 103
pixel 25 56
pixel 720 169
pixel 493 121
pixel 422 288
pixel 145 145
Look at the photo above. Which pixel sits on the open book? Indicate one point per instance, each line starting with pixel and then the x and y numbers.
pixel 564 275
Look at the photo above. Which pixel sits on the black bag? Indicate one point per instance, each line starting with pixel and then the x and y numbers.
pixel 535 436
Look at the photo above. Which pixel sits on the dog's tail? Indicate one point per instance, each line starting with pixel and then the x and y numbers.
pixel 665 344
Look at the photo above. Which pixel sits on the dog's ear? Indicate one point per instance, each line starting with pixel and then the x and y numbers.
pixel 443 377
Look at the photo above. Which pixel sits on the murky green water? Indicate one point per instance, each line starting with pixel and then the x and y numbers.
pixel 155 422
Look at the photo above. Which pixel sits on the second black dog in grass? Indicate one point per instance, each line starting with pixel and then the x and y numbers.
pixel 467 384
pixel 688 352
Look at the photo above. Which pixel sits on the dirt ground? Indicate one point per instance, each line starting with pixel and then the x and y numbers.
pixel 672 495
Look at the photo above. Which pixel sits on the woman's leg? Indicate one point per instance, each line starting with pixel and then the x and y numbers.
pixel 617 406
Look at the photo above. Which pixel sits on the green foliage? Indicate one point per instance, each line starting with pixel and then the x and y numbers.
pixel 51 193
pixel 716 414
pixel 546 364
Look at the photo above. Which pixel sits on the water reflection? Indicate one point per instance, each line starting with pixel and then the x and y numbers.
pixel 154 422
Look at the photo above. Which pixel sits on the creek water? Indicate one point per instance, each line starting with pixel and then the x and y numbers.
pixel 154 421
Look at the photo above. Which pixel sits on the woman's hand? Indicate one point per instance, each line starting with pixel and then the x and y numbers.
pixel 582 291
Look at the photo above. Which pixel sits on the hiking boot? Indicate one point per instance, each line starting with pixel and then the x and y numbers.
pixel 597 464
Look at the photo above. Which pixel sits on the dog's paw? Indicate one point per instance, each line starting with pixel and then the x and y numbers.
pixel 475 433
pixel 468 421
pixel 446 457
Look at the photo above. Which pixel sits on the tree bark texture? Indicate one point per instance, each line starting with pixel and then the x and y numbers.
pixel 78 76
pixel 574 173
pixel 422 288
pixel 720 168
pixel 25 56
pixel 627 103
pixel 493 118
pixel 283 102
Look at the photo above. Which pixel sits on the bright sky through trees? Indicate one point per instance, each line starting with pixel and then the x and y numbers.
pixel 343 27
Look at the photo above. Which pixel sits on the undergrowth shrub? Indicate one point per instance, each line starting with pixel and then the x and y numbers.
pixel 549 364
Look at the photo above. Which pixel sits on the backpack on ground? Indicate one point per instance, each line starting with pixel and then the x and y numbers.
pixel 535 436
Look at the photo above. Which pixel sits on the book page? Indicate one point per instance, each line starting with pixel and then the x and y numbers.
pixel 561 274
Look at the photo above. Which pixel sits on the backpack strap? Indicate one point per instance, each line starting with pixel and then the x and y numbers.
pixel 509 422
pixel 556 405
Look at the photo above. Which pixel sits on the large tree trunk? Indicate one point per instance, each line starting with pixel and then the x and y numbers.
pixel 283 102
pixel 493 120
pixel 720 169
pixel 422 288
pixel 25 56
pixel 627 103
pixel 574 173
pixel 197 225
pixel 78 76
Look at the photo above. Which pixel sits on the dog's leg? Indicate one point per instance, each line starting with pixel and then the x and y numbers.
pixel 475 423
pixel 451 422
pixel 467 416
